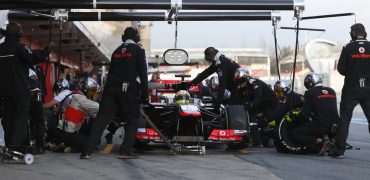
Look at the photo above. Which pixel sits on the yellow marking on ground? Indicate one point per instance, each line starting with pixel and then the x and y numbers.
pixel 108 148
pixel 243 151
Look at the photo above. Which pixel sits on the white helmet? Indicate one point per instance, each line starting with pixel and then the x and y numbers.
pixel 242 75
pixel 312 79
pixel 89 86
pixel 282 87
pixel 214 83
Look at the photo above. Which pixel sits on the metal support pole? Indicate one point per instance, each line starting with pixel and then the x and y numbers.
pixel 153 16
pixel 150 4
pixel 302 29
pixel 297 13
pixel 327 16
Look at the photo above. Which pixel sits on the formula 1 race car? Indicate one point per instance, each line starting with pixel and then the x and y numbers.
pixel 189 121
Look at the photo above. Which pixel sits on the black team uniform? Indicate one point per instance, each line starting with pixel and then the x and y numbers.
pixel 354 64
pixel 37 114
pixel 127 77
pixel 287 103
pixel 260 98
pixel 15 60
pixel 319 113
pixel 225 69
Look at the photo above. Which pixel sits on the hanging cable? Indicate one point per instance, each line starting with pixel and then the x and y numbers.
pixel 176 24
pixel 276 50
pixel 60 47
pixel 296 51
pixel 48 58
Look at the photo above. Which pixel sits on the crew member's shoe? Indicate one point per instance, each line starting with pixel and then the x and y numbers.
pixel 40 151
pixel 348 146
pixel 84 156
pixel 128 155
pixel 141 146
pixel 109 138
pixel 325 144
pixel 67 150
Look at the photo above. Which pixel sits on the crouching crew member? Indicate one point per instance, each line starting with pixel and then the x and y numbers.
pixel 287 100
pixel 260 100
pixel 82 107
pixel 319 113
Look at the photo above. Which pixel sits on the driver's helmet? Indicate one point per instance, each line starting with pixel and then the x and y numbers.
pixel 214 83
pixel 312 79
pixel 182 97
pixel 89 87
pixel 282 88
pixel 242 75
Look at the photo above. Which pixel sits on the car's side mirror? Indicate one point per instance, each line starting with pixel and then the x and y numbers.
pixel 175 56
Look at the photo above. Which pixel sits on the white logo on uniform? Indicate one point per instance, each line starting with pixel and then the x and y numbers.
pixel 325 91
pixel 28 49
pixel 361 50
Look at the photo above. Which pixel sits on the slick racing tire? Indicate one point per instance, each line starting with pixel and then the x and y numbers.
pixel 283 140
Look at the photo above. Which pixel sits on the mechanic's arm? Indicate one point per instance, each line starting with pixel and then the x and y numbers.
pixel 342 63
pixel 90 107
pixel 257 94
pixel 50 104
pixel 203 75
pixel 279 112
pixel 143 74
pixel 305 113
pixel 298 101
pixel 27 56
pixel 222 76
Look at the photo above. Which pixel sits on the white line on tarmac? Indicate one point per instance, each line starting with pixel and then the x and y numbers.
pixel 359 121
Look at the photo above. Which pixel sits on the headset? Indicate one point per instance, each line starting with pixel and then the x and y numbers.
pixel 131 33
pixel 355 29
pixel 12 26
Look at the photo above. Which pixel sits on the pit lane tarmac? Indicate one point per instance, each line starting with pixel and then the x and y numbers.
pixel 255 163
